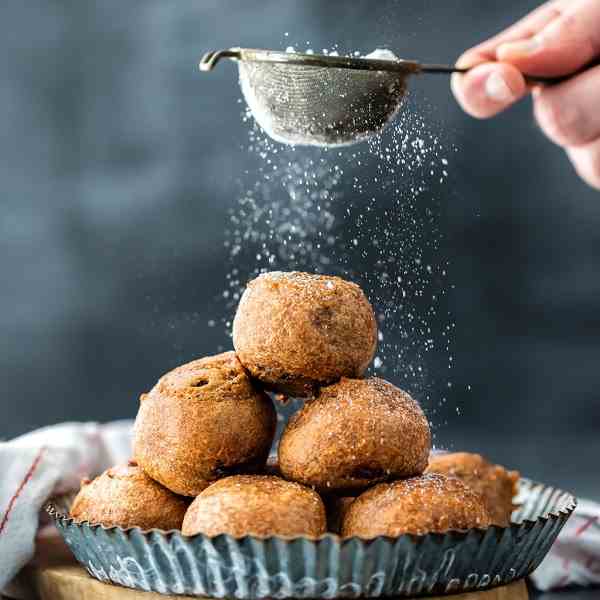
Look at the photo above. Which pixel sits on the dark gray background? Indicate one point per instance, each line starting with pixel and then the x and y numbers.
pixel 119 162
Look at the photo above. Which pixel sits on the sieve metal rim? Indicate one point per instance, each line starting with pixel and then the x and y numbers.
pixel 403 67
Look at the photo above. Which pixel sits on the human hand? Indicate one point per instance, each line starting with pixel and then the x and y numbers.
pixel 559 38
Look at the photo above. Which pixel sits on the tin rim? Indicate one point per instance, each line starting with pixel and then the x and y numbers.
pixel 58 514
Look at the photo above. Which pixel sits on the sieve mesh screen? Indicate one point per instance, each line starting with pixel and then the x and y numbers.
pixel 324 106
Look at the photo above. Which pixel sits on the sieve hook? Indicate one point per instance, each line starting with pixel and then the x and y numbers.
pixel 210 59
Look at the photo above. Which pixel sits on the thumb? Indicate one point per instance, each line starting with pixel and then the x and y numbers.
pixel 563 46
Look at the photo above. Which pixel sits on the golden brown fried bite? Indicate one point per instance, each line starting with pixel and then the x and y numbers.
pixel 336 508
pixel 355 433
pixel 259 505
pixel 297 331
pixel 203 421
pixel 419 505
pixel 494 483
pixel 127 497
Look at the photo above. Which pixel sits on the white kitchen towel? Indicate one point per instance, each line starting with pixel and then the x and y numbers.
pixel 39 464
pixel 54 459
pixel 575 556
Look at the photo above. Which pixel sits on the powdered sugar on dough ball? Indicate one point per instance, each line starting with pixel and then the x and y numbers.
pixel 421 505
pixel 296 331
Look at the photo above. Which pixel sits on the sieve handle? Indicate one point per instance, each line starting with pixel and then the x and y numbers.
pixel 403 67
pixel 530 79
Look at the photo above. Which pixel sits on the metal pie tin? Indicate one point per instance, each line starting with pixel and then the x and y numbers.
pixel 327 567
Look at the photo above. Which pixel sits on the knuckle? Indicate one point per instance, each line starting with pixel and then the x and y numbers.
pixel 569 21
pixel 563 122
pixel 593 180
pixel 594 169
pixel 572 26
pixel 566 25
pixel 587 165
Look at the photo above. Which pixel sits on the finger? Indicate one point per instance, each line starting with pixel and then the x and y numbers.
pixel 569 113
pixel 586 160
pixel 489 88
pixel 567 43
pixel 481 99
pixel 527 27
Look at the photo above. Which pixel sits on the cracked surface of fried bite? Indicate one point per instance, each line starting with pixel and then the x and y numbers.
pixel 125 496
pixel 297 331
pixel 419 505
pixel 202 421
pixel 259 505
pixel 494 483
pixel 355 433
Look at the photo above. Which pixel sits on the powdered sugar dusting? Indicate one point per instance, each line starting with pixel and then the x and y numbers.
pixel 370 214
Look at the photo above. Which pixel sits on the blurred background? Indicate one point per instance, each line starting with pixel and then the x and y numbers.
pixel 121 166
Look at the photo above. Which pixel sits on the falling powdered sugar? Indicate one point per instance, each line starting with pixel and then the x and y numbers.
pixel 370 214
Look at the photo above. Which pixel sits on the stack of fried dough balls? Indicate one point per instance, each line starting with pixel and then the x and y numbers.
pixel 351 460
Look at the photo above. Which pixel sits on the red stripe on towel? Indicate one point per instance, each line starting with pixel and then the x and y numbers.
pixel 586 525
pixel 28 476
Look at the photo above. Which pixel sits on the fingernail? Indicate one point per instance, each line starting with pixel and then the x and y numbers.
pixel 466 61
pixel 497 89
pixel 519 49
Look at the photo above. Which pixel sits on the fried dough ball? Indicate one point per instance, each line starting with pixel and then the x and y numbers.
pixel 355 433
pixel 420 505
pixel 259 505
pixel 203 421
pixel 336 508
pixel 297 331
pixel 494 483
pixel 126 496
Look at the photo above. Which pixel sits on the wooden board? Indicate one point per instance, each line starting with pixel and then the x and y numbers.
pixel 73 583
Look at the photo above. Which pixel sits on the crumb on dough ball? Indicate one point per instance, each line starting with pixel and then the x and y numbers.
pixel 420 505
pixel 259 505
pixel 127 497
pixel 496 485
pixel 297 331
pixel 202 421
pixel 355 433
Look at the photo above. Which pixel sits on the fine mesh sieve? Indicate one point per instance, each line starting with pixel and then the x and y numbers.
pixel 316 101
pixel 327 106
pixel 324 100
